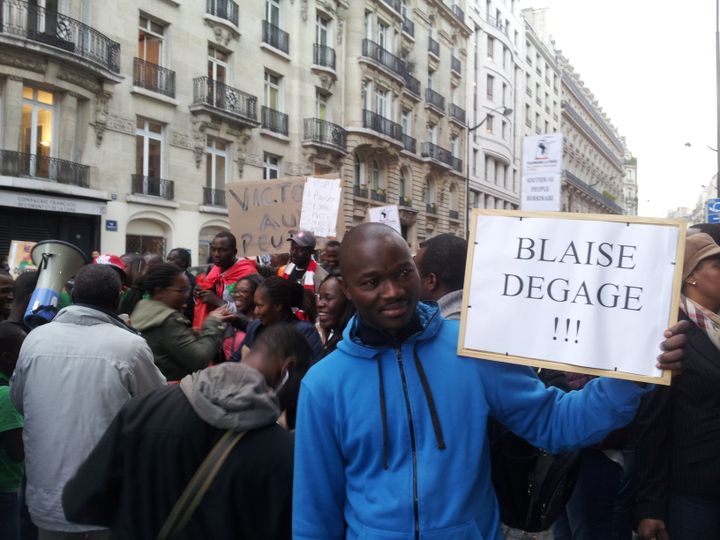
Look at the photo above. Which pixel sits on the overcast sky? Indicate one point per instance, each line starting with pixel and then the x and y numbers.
pixel 651 66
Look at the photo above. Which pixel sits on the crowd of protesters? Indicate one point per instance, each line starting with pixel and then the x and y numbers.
pixel 326 389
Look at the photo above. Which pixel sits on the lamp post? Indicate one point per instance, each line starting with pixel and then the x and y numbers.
pixel 717 88
pixel 506 111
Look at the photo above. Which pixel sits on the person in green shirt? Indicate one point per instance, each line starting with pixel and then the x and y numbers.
pixel 11 423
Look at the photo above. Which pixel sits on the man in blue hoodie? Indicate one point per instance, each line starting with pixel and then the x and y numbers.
pixel 391 427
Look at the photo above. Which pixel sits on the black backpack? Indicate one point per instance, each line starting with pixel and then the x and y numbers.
pixel 532 486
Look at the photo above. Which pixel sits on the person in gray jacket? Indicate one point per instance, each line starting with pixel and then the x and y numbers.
pixel 72 377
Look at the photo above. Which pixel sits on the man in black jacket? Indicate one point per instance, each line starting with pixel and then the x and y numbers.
pixel 138 470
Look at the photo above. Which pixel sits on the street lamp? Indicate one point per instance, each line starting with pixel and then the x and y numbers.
pixel 717 87
pixel 506 111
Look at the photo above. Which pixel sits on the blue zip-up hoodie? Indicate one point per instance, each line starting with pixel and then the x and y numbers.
pixel 391 442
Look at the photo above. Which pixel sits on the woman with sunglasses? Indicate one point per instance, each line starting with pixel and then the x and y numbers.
pixel 178 351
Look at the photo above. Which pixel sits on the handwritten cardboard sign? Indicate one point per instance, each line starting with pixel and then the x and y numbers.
pixel 575 292
pixel 263 214
pixel 320 205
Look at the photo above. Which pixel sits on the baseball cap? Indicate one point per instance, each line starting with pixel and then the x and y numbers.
pixel 303 239
pixel 698 247
pixel 114 261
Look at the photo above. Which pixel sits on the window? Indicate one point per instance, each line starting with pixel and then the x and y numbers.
pixel 505 52
pixel 217 72
pixel 272 91
pixel 272 12
pixel 321 106
pixel 368 25
pixel 455 145
pixel 490 47
pixel 271 166
pixel 504 93
pixel 475 154
pixel 322 31
pixel 215 167
pixel 384 37
pixel 453 198
pixel 382 103
pixel 490 87
pixel 148 148
pixel 38 129
pixel 150 41
pixel 528 119
pixel 489 123
pixel 432 134
pixel 429 191
pixel 374 176
pixel 402 187
pixel 504 130
pixel 406 122
pixel 357 171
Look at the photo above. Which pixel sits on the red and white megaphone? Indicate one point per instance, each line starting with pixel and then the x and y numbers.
pixel 57 262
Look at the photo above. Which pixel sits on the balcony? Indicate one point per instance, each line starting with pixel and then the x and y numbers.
pixel 455 65
pixel 324 133
pixel 383 57
pixel 405 201
pixel 394 4
pixel 453 214
pixel 62 35
pixel 592 193
pixel 276 38
pixel 274 121
pixel 408 27
pixel 457 113
pixel 18 164
pixel 382 125
pixel 225 101
pixel 360 191
pixel 431 208
pixel 154 78
pixel 459 13
pixel 409 143
pixel 223 9
pixel 412 85
pixel 153 187
pixel 440 155
pixel 435 99
pixel 214 197
pixel 528 91
pixel 433 47
pixel 324 56
pixel 378 195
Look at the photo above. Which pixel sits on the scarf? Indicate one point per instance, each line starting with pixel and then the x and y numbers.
pixel 705 319
pixel 217 280
pixel 308 279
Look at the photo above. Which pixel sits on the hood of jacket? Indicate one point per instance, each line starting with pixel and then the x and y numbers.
pixel 430 323
pixel 150 313
pixel 85 315
pixel 231 396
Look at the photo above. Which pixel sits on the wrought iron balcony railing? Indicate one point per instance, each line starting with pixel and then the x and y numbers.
pixel 324 132
pixel 405 201
pixel 412 84
pixel 153 77
pixel 224 9
pixel 457 164
pixel 453 214
pixel 459 13
pixel 433 47
pixel 214 197
pixel 360 191
pixel 155 187
pixel 275 37
pixel 455 65
pixel 409 143
pixel 438 153
pixel 435 99
pixel 408 27
pixel 394 4
pixel 378 195
pixel 57 170
pixel 457 113
pixel 383 57
pixel 274 120
pixel 57 30
pixel 207 91
pixel 431 208
pixel 382 125
pixel 323 56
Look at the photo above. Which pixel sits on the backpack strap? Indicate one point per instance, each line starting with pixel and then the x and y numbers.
pixel 200 482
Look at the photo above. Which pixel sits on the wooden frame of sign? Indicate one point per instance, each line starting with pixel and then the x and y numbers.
pixel 474 246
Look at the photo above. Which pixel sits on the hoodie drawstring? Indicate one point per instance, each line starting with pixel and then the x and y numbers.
pixel 383 413
pixel 430 401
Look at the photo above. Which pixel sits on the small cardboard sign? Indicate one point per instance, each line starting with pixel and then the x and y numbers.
pixel 575 292
pixel 388 215
pixel 320 205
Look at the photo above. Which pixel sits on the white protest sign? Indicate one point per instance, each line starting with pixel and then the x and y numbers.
pixel 320 205
pixel 592 293
pixel 542 172
pixel 388 215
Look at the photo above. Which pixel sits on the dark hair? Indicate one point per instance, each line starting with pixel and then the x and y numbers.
pixel 332 243
pixel 284 292
pixel 183 255
pixel 160 276
pixel 345 317
pixel 713 229
pixel 254 280
pixel 97 285
pixel 230 236
pixel 284 340
pixel 445 256
pixel 24 287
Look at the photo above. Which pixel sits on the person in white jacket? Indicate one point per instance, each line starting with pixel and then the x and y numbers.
pixel 72 377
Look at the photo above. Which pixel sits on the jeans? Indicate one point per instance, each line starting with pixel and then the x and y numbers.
pixel 691 517
pixel 590 513
pixel 9 515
